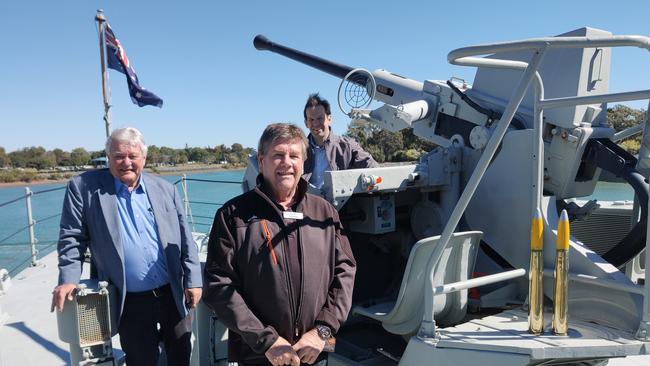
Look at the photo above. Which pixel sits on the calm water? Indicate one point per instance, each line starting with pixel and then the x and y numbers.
pixel 205 198
pixel 47 201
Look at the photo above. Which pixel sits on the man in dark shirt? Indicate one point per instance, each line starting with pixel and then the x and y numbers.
pixel 328 151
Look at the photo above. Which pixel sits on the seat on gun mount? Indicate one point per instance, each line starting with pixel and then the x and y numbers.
pixel 455 263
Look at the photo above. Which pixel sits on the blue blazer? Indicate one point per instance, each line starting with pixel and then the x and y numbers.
pixel 90 219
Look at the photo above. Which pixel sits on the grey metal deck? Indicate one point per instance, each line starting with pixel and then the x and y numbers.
pixel 29 334
pixel 507 333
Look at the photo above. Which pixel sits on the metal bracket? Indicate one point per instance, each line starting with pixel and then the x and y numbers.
pixel 428 333
pixel 643 334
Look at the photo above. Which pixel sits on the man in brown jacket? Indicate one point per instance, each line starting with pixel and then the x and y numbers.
pixel 328 151
pixel 279 272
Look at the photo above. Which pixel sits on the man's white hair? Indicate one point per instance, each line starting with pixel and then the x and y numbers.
pixel 127 135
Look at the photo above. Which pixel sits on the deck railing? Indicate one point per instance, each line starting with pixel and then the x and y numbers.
pixel 32 220
pixel 187 202
pixel 29 228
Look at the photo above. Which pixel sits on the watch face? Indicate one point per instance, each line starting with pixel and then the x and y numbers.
pixel 324 332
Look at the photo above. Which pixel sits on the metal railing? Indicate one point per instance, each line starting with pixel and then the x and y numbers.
pixel 29 228
pixel 33 243
pixel 187 202
pixel 467 56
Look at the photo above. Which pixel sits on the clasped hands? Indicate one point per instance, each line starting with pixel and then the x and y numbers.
pixel 305 350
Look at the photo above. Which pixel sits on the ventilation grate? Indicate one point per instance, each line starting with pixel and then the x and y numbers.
pixel 93 318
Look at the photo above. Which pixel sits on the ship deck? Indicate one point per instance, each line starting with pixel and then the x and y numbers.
pixel 29 335
pixel 28 330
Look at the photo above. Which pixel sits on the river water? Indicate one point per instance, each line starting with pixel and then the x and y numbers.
pixel 205 198
pixel 15 252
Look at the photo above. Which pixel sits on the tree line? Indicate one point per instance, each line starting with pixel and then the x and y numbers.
pixel 37 157
pixel 384 146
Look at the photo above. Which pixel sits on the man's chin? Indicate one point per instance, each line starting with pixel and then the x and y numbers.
pixel 287 183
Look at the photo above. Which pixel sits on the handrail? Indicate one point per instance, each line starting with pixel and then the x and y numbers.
pixel 466 57
pixel 478 281
pixel 547 42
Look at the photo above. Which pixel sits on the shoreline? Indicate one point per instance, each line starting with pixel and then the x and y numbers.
pixel 163 171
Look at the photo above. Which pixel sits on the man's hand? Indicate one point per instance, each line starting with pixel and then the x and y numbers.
pixel 60 293
pixel 281 353
pixel 192 296
pixel 309 346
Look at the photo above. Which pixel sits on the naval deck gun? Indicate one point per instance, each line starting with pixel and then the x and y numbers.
pixel 530 133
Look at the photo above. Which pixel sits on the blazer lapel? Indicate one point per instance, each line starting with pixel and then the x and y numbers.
pixel 109 209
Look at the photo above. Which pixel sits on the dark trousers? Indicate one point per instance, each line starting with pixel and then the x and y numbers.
pixel 139 329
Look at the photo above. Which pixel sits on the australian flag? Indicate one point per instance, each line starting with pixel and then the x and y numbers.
pixel 117 60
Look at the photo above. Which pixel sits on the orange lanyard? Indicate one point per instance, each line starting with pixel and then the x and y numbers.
pixel 267 234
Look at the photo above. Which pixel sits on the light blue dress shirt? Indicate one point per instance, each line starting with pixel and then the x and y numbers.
pixel 144 259
pixel 320 165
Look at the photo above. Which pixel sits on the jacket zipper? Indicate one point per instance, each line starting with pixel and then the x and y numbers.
pixel 301 254
pixel 290 290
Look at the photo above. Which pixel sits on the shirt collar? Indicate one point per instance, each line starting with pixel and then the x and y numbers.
pixel 121 187
pixel 312 142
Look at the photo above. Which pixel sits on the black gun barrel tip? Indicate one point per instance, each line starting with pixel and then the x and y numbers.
pixel 261 43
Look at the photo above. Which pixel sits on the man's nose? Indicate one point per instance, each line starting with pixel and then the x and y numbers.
pixel 286 159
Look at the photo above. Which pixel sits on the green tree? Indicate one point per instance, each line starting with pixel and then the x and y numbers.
pixel 4 159
pixel 179 157
pixel 197 154
pixel 166 154
pixel 79 157
pixel 153 155
pixel 97 154
pixel 388 142
pixel 31 157
pixel 621 117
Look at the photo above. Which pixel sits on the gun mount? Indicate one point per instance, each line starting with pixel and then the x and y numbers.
pixel 530 133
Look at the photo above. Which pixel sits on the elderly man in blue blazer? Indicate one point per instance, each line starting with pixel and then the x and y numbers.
pixel 135 227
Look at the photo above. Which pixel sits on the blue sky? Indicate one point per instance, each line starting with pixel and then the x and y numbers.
pixel 217 89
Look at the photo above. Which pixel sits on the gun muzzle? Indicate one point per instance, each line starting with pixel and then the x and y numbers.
pixel 262 43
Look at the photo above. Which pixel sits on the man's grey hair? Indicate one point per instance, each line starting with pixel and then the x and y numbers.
pixel 281 132
pixel 127 135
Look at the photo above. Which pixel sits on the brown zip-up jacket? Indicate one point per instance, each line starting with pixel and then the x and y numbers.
pixel 247 281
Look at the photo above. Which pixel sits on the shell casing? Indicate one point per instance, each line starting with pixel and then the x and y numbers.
pixel 536 230
pixel 560 300
pixel 563 231
pixel 536 293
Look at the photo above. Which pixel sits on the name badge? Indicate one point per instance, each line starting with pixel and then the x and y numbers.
pixel 292 215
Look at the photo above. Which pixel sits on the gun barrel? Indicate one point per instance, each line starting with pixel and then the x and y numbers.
pixel 262 43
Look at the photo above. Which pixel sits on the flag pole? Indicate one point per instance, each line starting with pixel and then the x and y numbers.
pixel 101 20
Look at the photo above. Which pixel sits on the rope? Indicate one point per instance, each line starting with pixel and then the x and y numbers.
pixel 207 180
pixel 29 258
pixel 49 190
pixel 48 218
pixel 206 203
pixel 14 234
pixel 204 217
pixel 12 201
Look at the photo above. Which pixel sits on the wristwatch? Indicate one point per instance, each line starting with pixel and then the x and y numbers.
pixel 324 332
